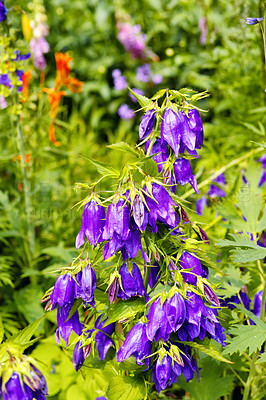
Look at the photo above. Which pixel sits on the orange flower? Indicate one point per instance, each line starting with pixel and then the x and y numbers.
pixel 63 68
pixel 52 135
pixel 54 98
pixel 28 157
pixel 26 79
pixel 63 73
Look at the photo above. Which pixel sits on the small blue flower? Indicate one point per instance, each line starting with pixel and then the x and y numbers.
pixel 253 21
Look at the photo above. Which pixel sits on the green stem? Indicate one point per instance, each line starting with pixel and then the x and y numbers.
pixel 221 170
pixel 26 189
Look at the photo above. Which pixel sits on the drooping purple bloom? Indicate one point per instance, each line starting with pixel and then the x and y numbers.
pixel 211 296
pixel 64 291
pixel 78 355
pixel 138 210
pixel 164 372
pixel 39 384
pixel 163 320
pixel 103 337
pixel 188 261
pixel 93 221
pixel 200 321
pixel 171 130
pixel 85 285
pixel 136 344
pixel 160 148
pixel 120 81
pixel 161 209
pixel 14 391
pixel 215 191
pixel 253 21
pixel 132 282
pixel 183 173
pixel 125 112
pixel 137 91
pixel 188 135
pixel 65 325
pixel 157 79
pixel 117 220
pixel 144 73
pixel 196 126
pixel 147 123
pixel 155 274
pixel 3 12
pixel 201 204
pixel 113 290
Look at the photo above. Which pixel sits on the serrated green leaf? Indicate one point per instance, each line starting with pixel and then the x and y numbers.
pixel 234 280
pixel 23 337
pixel 210 351
pixel 244 256
pixel 125 309
pixel 126 388
pixel 246 337
pixel 125 148
pixel 262 359
pixel 211 386
pixel 240 255
pixel 143 101
pixel 104 168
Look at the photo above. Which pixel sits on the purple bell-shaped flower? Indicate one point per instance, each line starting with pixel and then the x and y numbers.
pixel 93 221
pixel 136 344
pixel 146 125
pixel 117 221
pixel 85 285
pixel 132 282
pixel 64 291
pixel 189 261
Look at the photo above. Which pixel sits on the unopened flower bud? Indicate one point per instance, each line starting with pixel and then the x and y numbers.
pixel 211 296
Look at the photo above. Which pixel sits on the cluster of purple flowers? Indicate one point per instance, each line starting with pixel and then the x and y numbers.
pixel 182 315
pixel 5 78
pixel 65 291
pixel 15 389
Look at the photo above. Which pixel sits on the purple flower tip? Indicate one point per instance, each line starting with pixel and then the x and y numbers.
pixel 253 21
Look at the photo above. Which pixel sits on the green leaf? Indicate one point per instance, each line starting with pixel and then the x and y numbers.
pixel 252 316
pixel 143 101
pixel 104 168
pixel 124 147
pixel 234 280
pixel 74 308
pixel 245 337
pixel 159 94
pixel 211 385
pixel 126 388
pixel 125 309
pixel 210 350
pixel 253 253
